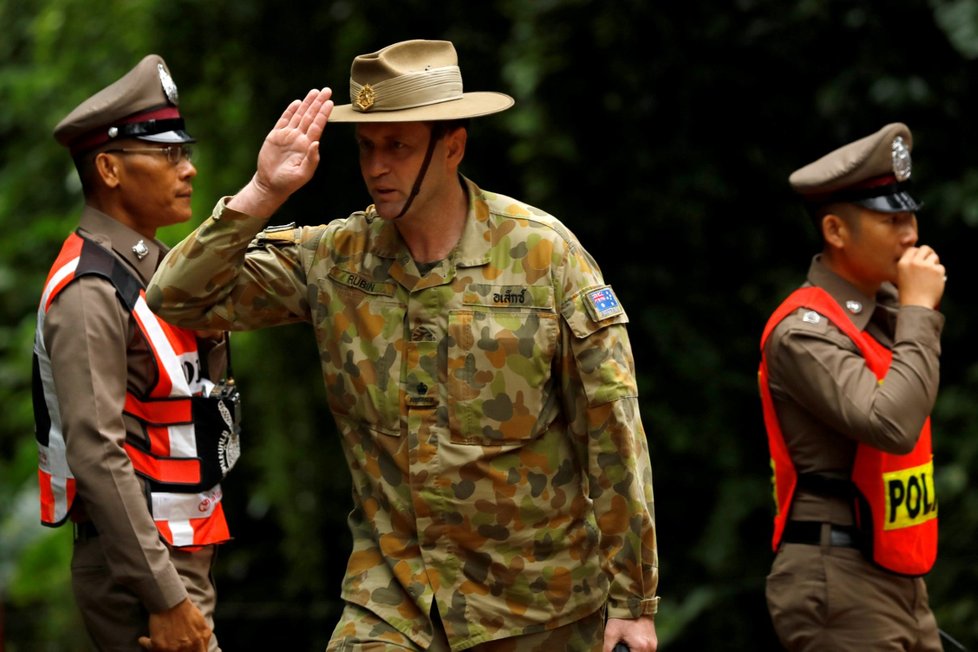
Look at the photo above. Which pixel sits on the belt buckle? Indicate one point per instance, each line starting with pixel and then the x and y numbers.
pixel 841 538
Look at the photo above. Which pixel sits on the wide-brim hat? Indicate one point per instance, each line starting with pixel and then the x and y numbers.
pixel 413 81
pixel 873 172
pixel 142 104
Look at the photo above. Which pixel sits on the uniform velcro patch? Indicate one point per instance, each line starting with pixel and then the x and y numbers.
pixel 602 303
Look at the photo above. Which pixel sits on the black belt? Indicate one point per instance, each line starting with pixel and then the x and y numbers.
pixel 810 533
pixel 85 530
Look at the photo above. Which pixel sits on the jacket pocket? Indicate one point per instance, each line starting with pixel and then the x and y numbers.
pixel 499 371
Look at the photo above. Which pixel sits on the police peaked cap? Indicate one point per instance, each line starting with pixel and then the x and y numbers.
pixel 141 104
pixel 873 172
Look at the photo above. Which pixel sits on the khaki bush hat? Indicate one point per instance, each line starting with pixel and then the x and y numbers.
pixel 873 172
pixel 141 104
pixel 413 81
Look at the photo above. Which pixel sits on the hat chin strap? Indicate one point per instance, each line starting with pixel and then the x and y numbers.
pixel 436 133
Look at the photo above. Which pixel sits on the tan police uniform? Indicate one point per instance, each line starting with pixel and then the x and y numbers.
pixel 487 407
pixel 823 594
pixel 121 570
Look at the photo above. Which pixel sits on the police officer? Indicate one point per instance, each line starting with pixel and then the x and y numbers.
pixel 848 378
pixel 477 366
pixel 114 385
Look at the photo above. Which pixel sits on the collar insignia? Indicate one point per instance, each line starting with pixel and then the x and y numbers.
pixel 140 249
pixel 854 307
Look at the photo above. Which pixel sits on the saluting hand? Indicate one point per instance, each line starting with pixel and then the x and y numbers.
pixel 288 157
pixel 920 277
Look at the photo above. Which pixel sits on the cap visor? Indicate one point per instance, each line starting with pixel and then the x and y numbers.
pixel 898 202
pixel 176 136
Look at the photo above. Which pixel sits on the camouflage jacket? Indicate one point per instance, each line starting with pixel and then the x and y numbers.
pixel 488 409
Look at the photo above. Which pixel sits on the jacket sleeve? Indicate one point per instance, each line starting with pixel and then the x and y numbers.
pixel 601 401
pixel 819 368
pixel 223 277
pixel 86 333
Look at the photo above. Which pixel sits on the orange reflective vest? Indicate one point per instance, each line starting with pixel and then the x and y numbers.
pixel 895 505
pixel 185 497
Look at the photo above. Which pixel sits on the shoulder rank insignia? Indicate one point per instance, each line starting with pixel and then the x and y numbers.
pixel 603 303
pixel 811 317
pixel 280 227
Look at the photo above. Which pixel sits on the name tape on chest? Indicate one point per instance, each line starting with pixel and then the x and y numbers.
pixel 360 282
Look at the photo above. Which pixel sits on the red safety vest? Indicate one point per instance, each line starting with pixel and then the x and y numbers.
pixel 896 505
pixel 187 508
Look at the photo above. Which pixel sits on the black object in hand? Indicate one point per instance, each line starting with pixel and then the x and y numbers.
pixel 621 647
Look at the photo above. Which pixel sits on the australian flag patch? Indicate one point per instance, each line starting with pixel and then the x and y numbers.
pixel 602 303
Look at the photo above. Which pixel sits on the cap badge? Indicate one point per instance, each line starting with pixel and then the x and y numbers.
pixel 140 249
pixel 113 132
pixel 901 159
pixel 366 98
pixel 169 86
pixel 854 307
pixel 811 317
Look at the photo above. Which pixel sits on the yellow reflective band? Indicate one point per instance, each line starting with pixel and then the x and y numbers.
pixel 910 497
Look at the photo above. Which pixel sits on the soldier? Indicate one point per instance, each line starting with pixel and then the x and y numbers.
pixel 115 387
pixel 848 378
pixel 476 364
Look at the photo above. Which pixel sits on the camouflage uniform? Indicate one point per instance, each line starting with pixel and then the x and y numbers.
pixel 488 410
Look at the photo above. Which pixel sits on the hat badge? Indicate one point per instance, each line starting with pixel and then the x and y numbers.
pixel 366 98
pixel 901 159
pixel 169 86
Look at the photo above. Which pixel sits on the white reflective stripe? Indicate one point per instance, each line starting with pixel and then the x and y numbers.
pixel 68 268
pixel 183 533
pixel 166 356
pixel 179 507
pixel 183 443
pixel 59 493
pixel 53 457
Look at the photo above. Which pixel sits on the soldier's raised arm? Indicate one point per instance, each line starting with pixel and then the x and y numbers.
pixel 288 157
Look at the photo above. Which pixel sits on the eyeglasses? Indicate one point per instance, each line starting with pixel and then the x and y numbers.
pixel 174 153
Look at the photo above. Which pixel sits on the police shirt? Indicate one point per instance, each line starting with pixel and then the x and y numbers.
pixel 96 353
pixel 827 399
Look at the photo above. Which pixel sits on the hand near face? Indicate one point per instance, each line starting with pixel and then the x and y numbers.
pixel 290 153
pixel 920 277
pixel 288 157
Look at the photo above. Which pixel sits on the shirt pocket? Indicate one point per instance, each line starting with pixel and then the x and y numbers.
pixel 360 330
pixel 499 371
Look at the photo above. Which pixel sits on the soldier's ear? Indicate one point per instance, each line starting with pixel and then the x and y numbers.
pixel 455 145
pixel 108 169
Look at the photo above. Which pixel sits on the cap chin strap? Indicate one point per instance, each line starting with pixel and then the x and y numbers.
pixel 434 136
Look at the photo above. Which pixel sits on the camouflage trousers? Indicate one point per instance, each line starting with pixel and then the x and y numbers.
pixel 359 630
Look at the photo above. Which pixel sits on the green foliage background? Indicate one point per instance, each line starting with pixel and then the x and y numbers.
pixel 662 133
